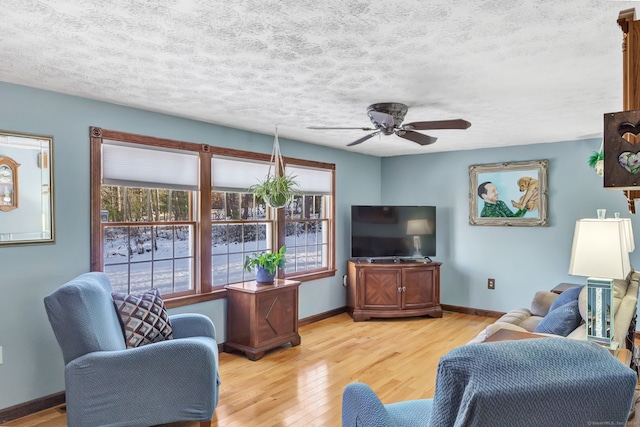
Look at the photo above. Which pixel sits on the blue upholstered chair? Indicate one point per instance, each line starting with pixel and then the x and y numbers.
pixel 534 382
pixel 107 384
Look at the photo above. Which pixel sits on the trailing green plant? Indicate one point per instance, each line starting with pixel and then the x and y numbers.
pixel 596 161
pixel 275 190
pixel 595 157
pixel 267 260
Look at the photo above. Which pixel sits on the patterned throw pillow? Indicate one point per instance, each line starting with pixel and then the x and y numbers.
pixel 143 317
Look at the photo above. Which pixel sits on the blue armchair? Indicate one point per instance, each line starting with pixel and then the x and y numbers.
pixel 535 382
pixel 107 384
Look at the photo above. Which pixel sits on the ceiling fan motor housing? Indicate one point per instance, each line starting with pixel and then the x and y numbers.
pixel 394 109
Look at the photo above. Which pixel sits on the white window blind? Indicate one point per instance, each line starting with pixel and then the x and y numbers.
pixel 150 167
pixel 236 175
pixel 311 180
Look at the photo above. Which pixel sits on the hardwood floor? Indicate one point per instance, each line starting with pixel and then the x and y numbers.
pixel 302 386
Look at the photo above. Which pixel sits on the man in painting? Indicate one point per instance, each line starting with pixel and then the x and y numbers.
pixel 494 207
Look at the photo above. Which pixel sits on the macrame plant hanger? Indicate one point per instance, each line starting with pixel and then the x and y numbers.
pixel 276 158
pixel 278 187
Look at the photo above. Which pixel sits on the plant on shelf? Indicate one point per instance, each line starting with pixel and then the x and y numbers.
pixel 276 189
pixel 596 161
pixel 266 263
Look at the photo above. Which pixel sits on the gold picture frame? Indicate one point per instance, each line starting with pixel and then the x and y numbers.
pixel 509 194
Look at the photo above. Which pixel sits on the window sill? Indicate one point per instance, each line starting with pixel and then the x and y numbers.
pixel 222 293
pixel 308 276
pixel 194 299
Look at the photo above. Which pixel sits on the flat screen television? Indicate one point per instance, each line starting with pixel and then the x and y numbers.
pixel 393 231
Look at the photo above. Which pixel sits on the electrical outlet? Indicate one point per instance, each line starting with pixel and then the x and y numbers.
pixel 0 355
pixel 491 283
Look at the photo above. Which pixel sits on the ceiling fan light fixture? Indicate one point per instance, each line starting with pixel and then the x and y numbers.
pixel 387 119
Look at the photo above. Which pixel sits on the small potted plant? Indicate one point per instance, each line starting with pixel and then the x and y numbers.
pixel 266 263
pixel 275 190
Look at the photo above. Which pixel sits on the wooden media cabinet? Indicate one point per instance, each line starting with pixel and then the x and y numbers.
pixel 393 289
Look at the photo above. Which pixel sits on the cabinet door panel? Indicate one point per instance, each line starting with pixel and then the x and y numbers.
pixel 275 315
pixel 420 288
pixel 380 288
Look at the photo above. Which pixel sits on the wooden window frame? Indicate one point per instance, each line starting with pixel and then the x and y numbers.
pixel 204 290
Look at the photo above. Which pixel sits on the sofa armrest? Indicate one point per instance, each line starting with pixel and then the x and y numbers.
pixel 361 406
pixel 625 312
pixel 492 329
pixel 183 371
pixel 192 325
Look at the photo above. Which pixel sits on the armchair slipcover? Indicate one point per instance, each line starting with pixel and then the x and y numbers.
pixel 535 382
pixel 107 384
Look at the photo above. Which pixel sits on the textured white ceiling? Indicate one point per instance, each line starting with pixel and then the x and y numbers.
pixel 521 72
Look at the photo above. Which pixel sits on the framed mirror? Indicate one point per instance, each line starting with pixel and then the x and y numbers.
pixel 26 189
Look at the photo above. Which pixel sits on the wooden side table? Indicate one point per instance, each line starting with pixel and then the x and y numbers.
pixel 561 287
pixel 261 317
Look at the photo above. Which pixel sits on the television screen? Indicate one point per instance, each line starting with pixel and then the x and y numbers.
pixel 393 231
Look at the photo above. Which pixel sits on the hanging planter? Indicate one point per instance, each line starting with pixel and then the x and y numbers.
pixel 276 189
pixel 596 161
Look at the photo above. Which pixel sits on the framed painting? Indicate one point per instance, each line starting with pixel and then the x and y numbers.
pixel 509 194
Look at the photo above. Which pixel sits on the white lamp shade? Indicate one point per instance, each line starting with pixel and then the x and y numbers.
pixel 629 234
pixel 601 248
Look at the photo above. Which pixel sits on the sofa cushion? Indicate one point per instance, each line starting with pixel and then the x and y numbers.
pixel 515 316
pixel 144 318
pixel 531 323
pixel 542 300
pixel 562 320
pixel 565 297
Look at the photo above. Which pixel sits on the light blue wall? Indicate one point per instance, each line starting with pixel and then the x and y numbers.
pixel 523 260
pixel 32 363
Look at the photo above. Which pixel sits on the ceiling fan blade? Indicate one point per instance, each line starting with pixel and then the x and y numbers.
pixel 416 137
pixel 363 139
pixel 383 119
pixel 325 127
pixel 437 124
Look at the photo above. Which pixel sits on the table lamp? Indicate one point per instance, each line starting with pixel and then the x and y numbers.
pixel 417 228
pixel 600 251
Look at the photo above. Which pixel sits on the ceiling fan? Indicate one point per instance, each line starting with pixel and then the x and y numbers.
pixel 387 119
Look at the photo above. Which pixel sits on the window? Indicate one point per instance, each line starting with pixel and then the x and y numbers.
pixel 308 222
pixel 240 225
pixel 149 238
pixel 239 228
pixel 176 216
